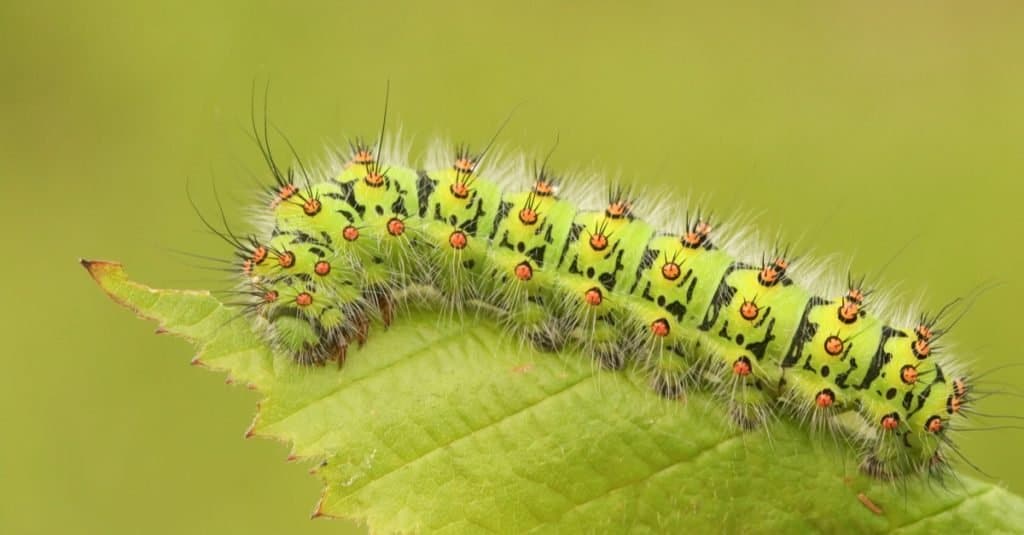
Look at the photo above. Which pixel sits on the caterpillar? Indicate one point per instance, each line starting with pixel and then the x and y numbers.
pixel 655 288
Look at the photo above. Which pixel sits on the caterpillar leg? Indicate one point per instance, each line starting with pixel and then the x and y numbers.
pixel 670 370
pixel 511 287
pixel 887 458
pixel 302 339
pixel 315 336
pixel 529 320
pixel 898 452
pixel 545 342
pixel 665 356
pixel 741 385
pixel 667 360
pixel 912 441
pixel 750 408
pixel 384 302
pixel 606 344
pixel 341 354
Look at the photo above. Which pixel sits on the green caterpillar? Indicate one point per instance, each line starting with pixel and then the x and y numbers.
pixel 337 249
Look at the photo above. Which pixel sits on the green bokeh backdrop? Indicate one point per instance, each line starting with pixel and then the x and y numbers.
pixel 852 129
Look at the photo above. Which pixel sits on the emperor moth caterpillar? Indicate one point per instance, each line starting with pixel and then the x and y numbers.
pixel 662 292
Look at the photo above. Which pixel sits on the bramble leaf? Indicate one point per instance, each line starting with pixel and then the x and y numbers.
pixel 450 426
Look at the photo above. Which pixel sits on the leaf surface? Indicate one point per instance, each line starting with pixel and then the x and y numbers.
pixel 451 426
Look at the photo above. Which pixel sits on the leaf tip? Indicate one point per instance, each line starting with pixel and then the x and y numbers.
pixel 107 275
pixel 98 269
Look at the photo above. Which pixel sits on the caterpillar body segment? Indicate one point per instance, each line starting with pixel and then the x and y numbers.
pixel 604 279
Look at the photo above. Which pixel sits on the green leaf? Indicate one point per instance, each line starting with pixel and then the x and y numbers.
pixel 451 426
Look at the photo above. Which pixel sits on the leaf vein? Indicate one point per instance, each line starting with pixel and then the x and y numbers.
pixel 679 462
pixel 945 510
pixel 408 358
pixel 521 411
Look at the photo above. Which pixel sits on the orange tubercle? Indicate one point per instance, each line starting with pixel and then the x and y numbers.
pixel 363 157
pixel 465 164
pixel 741 367
pixel 350 233
pixel 311 207
pixel 660 327
pixel 834 345
pixel 825 399
pixel 749 310
pixel 671 271
pixel 524 272
pixel 460 190
pixel 458 240
pixel 396 226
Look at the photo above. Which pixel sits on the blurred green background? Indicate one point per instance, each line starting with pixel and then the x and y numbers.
pixel 849 128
